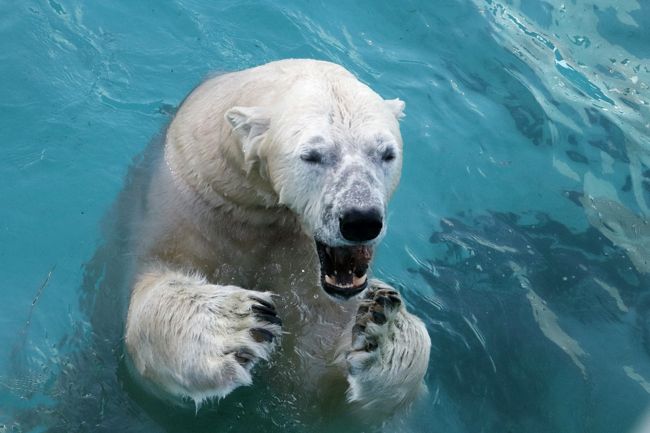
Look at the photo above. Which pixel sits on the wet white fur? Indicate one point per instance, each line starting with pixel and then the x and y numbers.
pixel 232 209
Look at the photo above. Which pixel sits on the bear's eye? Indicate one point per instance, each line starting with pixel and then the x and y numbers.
pixel 312 157
pixel 388 155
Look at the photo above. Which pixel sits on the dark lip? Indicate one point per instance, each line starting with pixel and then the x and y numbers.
pixel 340 293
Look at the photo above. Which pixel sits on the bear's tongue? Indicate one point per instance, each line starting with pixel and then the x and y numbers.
pixel 344 269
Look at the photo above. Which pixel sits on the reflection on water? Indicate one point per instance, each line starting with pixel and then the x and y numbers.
pixel 519 234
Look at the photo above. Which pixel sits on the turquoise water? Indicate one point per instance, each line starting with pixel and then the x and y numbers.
pixel 519 232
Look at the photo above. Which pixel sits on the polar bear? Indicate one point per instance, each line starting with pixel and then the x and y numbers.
pixel 260 222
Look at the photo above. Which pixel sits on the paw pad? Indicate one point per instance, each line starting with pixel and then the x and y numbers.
pixel 378 307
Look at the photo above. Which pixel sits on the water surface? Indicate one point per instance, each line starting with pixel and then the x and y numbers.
pixel 519 233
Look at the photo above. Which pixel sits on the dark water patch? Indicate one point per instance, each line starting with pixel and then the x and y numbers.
pixel 610 72
pixel 577 157
pixel 634 38
pixel 547 250
pixel 643 321
pixel 607 136
pixel 468 78
pixel 630 103
pixel 627 186
pixel 529 122
pixel 523 303
pixel 571 139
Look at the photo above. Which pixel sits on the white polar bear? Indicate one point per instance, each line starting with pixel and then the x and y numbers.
pixel 273 179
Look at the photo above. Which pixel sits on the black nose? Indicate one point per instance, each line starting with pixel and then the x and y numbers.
pixel 358 225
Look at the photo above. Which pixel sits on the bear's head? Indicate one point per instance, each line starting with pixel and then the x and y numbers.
pixel 332 151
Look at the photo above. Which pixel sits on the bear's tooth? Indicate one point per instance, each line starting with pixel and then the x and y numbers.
pixel 359 281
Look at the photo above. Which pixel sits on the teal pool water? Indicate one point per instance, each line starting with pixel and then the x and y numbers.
pixel 519 232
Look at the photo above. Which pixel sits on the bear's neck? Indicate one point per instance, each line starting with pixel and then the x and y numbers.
pixel 232 193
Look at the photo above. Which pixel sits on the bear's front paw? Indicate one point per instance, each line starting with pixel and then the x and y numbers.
pixel 388 353
pixel 372 326
pixel 198 340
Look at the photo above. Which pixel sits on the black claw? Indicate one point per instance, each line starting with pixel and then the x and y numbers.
pixel 363 309
pixel 358 329
pixel 271 318
pixel 378 317
pixel 262 335
pixel 370 346
pixel 244 357
pixel 263 302
pixel 395 300
pixel 382 300
pixel 262 309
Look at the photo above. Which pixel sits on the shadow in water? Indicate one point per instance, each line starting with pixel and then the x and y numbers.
pixel 534 326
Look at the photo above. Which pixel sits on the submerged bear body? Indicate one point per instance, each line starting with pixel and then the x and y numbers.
pixel 256 232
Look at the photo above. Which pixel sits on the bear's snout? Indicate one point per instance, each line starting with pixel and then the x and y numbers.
pixel 361 225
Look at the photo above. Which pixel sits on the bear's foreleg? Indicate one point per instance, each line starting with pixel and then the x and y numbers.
pixel 388 354
pixel 187 338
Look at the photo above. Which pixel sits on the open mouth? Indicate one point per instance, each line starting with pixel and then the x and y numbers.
pixel 344 269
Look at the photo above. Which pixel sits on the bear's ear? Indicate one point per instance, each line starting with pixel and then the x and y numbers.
pixel 250 123
pixel 396 106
